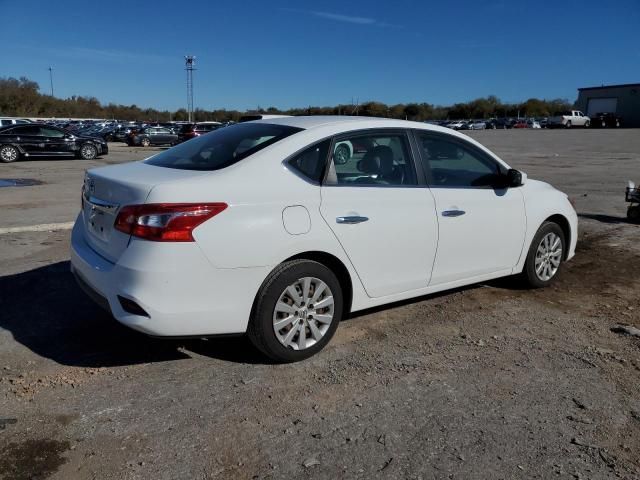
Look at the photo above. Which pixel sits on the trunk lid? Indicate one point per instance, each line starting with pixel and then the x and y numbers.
pixel 107 189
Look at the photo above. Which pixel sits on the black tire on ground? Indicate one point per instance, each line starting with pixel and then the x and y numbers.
pixel 260 329
pixel 568 124
pixel 528 275
pixel 88 152
pixel 9 153
pixel 145 142
pixel 587 124
pixel 633 214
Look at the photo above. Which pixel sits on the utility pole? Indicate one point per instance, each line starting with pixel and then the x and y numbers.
pixel 51 79
pixel 189 62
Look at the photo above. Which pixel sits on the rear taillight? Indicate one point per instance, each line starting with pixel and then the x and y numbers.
pixel 165 222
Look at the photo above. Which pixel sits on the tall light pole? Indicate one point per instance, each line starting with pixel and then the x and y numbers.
pixel 51 79
pixel 189 63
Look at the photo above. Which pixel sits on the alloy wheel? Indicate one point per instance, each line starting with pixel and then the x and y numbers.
pixel 303 313
pixel 548 257
pixel 8 154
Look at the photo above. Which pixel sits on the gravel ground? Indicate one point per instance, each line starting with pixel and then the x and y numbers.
pixel 489 381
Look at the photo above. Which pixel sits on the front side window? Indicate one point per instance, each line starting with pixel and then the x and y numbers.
pixel 223 147
pixel 450 162
pixel 311 162
pixel 375 159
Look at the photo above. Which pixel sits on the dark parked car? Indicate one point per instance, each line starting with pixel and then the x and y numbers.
pixel 35 140
pixel 189 131
pixel 152 136
pixel 604 120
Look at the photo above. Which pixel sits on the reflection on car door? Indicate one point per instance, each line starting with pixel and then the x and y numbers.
pixel 54 141
pixel 29 139
pixel 481 228
pixel 384 220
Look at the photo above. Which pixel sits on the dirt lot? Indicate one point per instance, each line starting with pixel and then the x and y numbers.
pixel 485 382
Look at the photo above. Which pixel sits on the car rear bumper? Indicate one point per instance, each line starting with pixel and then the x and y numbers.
pixel 174 289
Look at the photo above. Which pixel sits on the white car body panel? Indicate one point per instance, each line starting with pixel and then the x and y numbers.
pixel 387 258
pixel 406 249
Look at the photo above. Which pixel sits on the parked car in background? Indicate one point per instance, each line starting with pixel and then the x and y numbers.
pixel 477 125
pixel 193 130
pixel 280 242
pixel 13 121
pixel 543 122
pixel 520 124
pixel 147 136
pixel 533 123
pixel 568 119
pixel 33 140
pixel 604 120
pixel 457 125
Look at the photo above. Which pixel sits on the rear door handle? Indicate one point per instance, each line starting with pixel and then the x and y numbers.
pixel 351 220
pixel 453 213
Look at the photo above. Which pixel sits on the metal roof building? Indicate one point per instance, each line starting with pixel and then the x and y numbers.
pixel 623 100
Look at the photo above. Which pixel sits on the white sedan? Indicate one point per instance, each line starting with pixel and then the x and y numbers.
pixel 255 229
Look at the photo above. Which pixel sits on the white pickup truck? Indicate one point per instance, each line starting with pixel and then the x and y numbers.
pixel 568 119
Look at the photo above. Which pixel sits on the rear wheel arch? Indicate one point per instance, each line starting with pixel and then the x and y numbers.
pixel 338 268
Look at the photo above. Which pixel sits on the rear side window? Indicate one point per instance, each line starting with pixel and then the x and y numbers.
pixel 223 147
pixel 311 162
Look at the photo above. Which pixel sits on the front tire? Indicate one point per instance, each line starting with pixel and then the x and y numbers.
pixel 88 152
pixel 545 256
pixel 633 214
pixel 296 311
pixel 145 142
pixel 9 153
pixel 587 124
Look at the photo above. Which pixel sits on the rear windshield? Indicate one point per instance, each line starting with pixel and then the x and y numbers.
pixel 223 147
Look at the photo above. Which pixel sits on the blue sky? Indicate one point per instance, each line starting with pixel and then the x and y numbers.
pixel 288 54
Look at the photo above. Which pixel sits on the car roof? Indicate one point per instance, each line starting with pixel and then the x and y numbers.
pixel 316 121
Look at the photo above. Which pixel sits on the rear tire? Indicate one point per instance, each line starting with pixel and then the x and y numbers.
pixel 9 153
pixel 296 320
pixel 145 142
pixel 545 256
pixel 568 124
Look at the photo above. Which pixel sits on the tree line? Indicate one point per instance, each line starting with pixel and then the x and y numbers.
pixel 22 98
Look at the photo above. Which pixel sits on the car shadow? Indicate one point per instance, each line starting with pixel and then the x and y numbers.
pixel 604 218
pixel 46 311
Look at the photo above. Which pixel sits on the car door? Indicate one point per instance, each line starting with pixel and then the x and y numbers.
pixel 29 139
pixel 383 217
pixel 55 142
pixel 481 224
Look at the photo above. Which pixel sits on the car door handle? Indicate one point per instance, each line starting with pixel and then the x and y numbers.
pixel 453 213
pixel 351 220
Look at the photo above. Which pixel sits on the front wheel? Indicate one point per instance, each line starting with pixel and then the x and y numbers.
pixel 296 312
pixel 587 124
pixel 545 256
pixel 88 152
pixel 145 142
pixel 9 153
pixel 633 214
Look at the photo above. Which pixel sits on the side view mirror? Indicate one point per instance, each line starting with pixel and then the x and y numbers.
pixel 515 178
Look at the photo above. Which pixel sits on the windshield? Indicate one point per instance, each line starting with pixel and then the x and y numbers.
pixel 223 147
